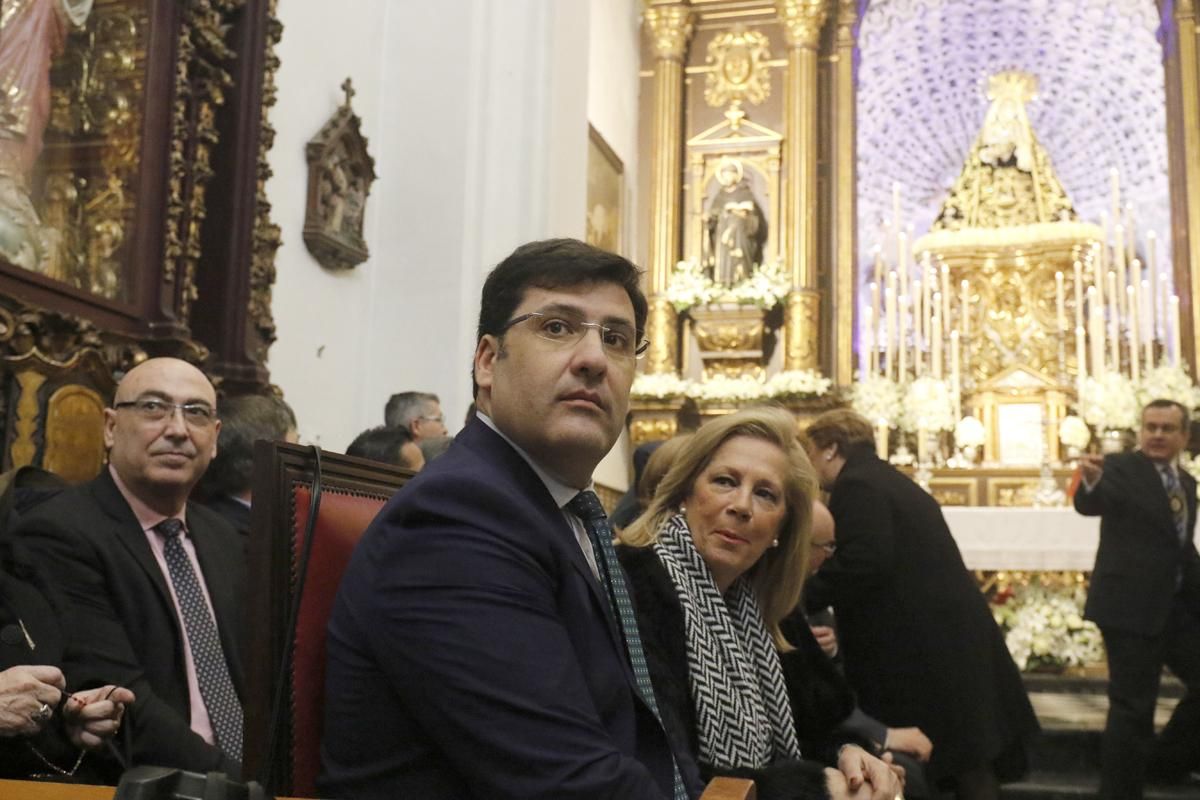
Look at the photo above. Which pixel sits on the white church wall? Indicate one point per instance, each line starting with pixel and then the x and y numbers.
pixel 476 113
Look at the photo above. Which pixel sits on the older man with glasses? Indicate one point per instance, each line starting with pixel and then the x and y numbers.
pixel 154 582
pixel 483 643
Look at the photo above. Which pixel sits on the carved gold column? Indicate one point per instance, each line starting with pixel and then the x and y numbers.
pixel 802 21
pixel 1187 148
pixel 669 26
pixel 844 183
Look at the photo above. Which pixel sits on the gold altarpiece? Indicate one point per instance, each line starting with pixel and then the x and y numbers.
pixel 798 135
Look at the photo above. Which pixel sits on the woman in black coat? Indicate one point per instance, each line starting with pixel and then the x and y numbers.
pixel 919 643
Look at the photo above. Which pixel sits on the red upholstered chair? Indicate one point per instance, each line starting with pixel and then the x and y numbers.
pixel 352 492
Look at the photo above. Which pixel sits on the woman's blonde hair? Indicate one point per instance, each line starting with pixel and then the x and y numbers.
pixel 778 576
pixel 657 465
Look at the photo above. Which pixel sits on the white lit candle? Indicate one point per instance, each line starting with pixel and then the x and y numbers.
pixel 1152 268
pixel 1130 233
pixel 868 367
pixel 1134 349
pixel 1148 324
pixel 889 300
pixel 876 312
pixel 1114 343
pixel 902 260
pixel 1096 331
pixel 903 344
pixel 936 339
pixel 1119 262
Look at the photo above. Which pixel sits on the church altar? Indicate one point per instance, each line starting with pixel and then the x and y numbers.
pixel 1024 539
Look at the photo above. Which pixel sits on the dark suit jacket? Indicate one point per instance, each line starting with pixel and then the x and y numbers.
pixel 1140 557
pixel 123 627
pixel 235 512
pixel 919 642
pixel 471 652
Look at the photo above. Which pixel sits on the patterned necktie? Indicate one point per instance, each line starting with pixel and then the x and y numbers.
pixel 212 671
pixel 586 506
pixel 1178 502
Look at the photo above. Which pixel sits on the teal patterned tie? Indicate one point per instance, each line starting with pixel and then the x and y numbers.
pixel 586 506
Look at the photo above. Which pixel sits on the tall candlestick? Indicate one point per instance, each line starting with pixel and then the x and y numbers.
pixel 902 260
pixel 917 315
pixel 878 253
pixel 1078 295
pixel 945 307
pixel 903 344
pixel 1130 233
pixel 1152 268
pixel 1164 292
pixel 936 344
pixel 889 300
pixel 1105 237
pixel 868 369
pixel 876 311
pixel 1176 338
pixel 1080 360
pixel 1059 303
pixel 965 291
pixel 930 286
pixel 1134 349
pixel 1119 261
pixel 1148 325
pixel 1096 331
pixel 956 373
pixel 1114 327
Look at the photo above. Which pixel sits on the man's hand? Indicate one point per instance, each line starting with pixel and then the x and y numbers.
pixel 24 692
pixel 909 740
pixel 93 716
pixel 1091 468
pixel 862 775
pixel 827 638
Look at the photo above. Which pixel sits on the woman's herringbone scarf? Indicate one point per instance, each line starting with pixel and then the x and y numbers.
pixel 743 715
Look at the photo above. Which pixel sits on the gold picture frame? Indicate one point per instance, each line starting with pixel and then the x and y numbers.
pixel 605 225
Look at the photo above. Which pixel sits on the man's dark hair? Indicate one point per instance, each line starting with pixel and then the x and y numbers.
pixel 554 264
pixel 244 420
pixel 1164 403
pixel 383 444
pixel 403 407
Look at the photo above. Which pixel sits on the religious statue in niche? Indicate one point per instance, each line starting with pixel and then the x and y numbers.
pixel 32 33
pixel 736 226
pixel 340 174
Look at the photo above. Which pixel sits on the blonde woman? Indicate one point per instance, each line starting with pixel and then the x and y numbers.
pixel 715 563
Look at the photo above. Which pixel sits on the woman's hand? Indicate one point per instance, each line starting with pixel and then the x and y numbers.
pixel 909 740
pixel 827 638
pixel 25 692
pixel 93 716
pixel 861 775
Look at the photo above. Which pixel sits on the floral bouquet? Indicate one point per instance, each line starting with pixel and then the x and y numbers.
pixel 1168 383
pixel 690 286
pixel 1074 432
pixel 664 386
pixel 1110 402
pixel 764 287
pixel 969 432
pixel 1044 627
pixel 797 384
pixel 721 389
pixel 877 398
pixel 927 406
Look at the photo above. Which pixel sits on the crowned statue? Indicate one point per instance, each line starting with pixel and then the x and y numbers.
pixel 32 33
pixel 736 226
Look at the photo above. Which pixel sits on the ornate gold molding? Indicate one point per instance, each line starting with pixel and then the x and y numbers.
pixel 266 236
pixel 802 21
pixel 739 68
pixel 843 185
pixel 661 327
pixel 802 330
pixel 670 28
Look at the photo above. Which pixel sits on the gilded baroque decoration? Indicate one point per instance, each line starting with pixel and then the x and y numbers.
pixel 730 341
pixel 739 72
pixel 201 80
pixel 802 350
pixel 266 236
pixel 670 28
pixel 661 324
pixel 340 174
pixel 802 20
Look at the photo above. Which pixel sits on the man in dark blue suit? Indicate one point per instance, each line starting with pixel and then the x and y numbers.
pixel 1145 597
pixel 478 645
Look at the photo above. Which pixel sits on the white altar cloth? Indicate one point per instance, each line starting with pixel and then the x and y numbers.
pixel 993 538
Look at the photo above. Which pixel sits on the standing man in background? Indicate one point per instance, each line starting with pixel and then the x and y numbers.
pixel 1145 597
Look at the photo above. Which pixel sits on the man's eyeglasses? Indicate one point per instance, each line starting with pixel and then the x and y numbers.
pixel 440 418
pixel 829 547
pixel 153 409
pixel 620 341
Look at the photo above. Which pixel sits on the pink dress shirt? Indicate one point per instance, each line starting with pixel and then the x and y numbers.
pixel 148 518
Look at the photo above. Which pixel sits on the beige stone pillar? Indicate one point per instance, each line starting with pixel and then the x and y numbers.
pixel 845 185
pixel 1187 239
pixel 802 22
pixel 669 26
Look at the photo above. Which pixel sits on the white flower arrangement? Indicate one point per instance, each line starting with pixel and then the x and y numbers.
pixel 877 398
pixel 927 406
pixel 1044 627
pixel 1168 383
pixel 1074 432
pixel 969 432
pixel 665 386
pixel 721 388
pixel 1110 402
pixel 690 286
pixel 797 383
